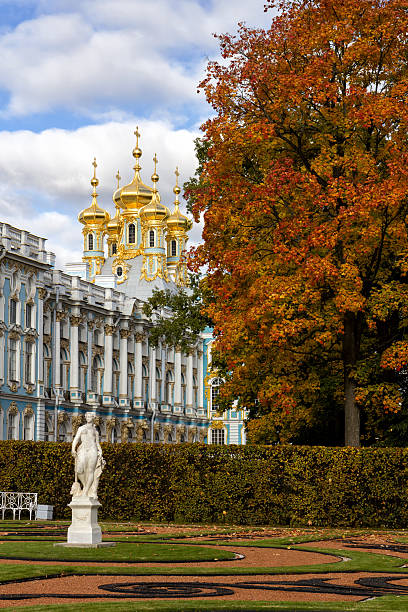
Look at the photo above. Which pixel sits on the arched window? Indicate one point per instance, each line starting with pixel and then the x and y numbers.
pixel 90 242
pixel 215 391
pixel 157 437
pixel 13 311
pixel 169 388
pixel 132 234
pixel 130 380
pixel 218 436
pixel 62 433
pixel 173 248
pixel 144 438
pixel 169 438
pixel 94 373
pixel 47 436
pixel 12 433
pixel 28 366
pixel 119 271
pixel 114 435
pixel 116 375
pixel 151 238
pixel 28 427
pixel 12 361
pixel 28 315
pixel 114 248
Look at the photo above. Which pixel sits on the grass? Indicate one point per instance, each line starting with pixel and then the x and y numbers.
pixel 157 548
pixel 383 604
pixel 123 552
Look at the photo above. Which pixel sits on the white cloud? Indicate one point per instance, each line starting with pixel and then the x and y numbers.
pixel 50 172
pixel 97 55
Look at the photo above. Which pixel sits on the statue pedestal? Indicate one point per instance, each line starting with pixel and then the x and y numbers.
pixel 84 528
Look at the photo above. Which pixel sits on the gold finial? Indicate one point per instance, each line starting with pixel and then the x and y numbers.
pixel 176 189
pixel 137 151
pixel 118 177
pixel 155 176
pixel 94 180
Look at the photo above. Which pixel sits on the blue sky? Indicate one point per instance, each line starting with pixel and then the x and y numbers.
pixel 76 76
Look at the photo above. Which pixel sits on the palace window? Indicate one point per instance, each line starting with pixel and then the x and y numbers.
pixel 90 242
pixel 215 391
pixel 13 311
pixel 62 433
pixel 27 427
pixel 28 362
pixel 12 427
pixel 47 436
pixel 218 436
pixel 119 271
pixel 151 238
pixel 28 315
pixel 132 234
pixel 114 248
pixel 12 365
pixel 173 248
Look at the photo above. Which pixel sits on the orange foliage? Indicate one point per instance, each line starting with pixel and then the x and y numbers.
pixel 304 196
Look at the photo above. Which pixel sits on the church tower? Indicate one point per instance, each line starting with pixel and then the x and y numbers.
pixel 177 226
pixel 94 220
pixel 153 220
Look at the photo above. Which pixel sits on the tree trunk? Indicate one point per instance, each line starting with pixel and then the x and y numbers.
pixel 351 349
pixel 351 413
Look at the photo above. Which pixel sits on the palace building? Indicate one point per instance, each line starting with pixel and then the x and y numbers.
pixel 78 340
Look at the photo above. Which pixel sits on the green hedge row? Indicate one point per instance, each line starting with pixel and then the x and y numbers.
pixel 280 485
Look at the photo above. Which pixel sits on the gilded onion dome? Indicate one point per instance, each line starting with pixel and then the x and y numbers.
pixel 136 194
pixel 113 226
pixel 155 210
pixel 94 215
pixel 177 221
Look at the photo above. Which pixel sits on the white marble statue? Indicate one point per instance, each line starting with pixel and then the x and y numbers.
pixel 89 462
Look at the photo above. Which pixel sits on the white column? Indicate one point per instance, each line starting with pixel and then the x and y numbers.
pixel 152 374
pixel 57 344
pixel 138 367
pixel 177 378
pixel 200 380
pixel 89 332
pixel 40 329
pixel 108 355
pixel 123 357
pixel 189 389
pixel 74 352
pixel 163 372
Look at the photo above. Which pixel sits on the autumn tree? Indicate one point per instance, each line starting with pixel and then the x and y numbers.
pixel 305 200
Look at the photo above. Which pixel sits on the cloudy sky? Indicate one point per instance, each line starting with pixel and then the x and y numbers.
pixel 76 77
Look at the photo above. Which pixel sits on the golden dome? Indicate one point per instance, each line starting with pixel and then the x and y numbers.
pixel 177 221
pixel 136 194
pixel 155 210
pixel 94 215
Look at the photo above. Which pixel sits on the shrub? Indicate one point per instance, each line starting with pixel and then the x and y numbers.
pixel 280 485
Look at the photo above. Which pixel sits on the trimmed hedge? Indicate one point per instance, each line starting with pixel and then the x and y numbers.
pixel 280 485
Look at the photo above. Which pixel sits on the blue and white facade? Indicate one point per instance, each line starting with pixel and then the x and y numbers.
pixel 78 341
pixel 68 346
pixel 228 427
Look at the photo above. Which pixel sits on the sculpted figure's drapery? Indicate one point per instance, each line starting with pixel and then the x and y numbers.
pixel 89 463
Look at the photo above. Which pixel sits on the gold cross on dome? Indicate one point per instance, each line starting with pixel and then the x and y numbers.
pixel 118 177
pixel 95 166
pixel 137 134
pixel 177 173
pixel 155 162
